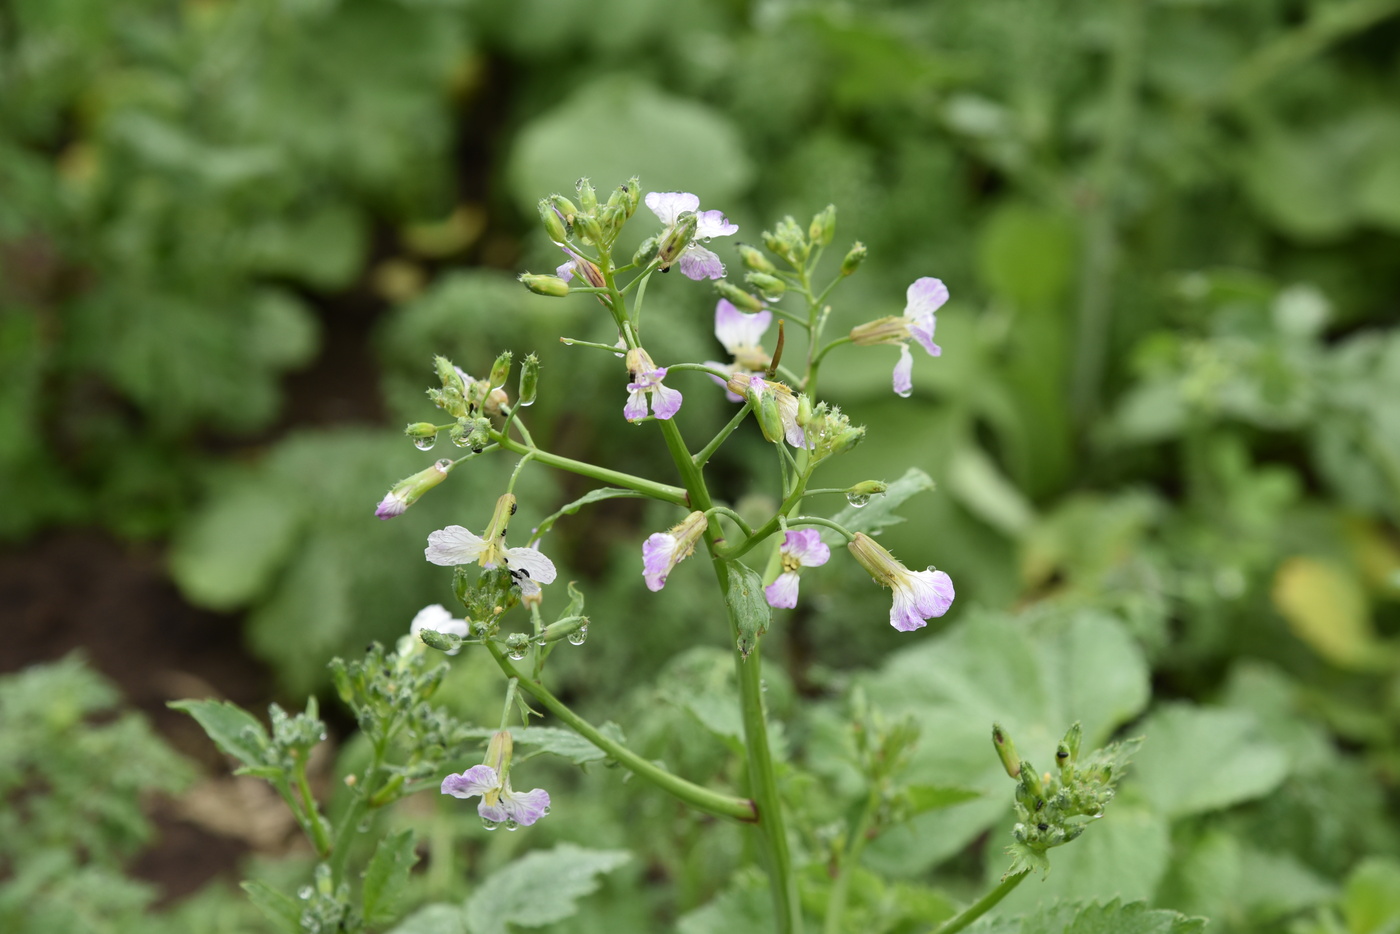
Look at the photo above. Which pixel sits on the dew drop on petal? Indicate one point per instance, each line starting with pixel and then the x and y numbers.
pixel 489 824
pixel 425 444
pixel 857 499
pixel 511 824
pixel 544 812
pixel 578 636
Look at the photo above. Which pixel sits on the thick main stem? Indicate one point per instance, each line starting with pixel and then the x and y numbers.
pixel 983 905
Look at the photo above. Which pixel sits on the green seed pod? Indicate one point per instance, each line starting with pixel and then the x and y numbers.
pixel 529 380
pixel 552 286
pixel 738 297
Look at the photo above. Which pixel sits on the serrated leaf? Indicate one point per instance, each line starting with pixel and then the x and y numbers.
pixel 879 512
pixel 745 905
pixel 1112 918
pixel 539 888
pixel 386 875
pixel 748 607
pixel 280 909
pixel 233 729
pixel 1200 759
pixel 567 743
pixel 592 496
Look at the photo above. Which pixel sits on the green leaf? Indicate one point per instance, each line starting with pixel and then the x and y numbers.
pixel 748 607
pixel 1026 253
pixel 387 873
pixel 920 799
pixel 279 908
pixel 745 905
pixel 1199 759
pixel 979 484
pixel 592 496
pixel 679 145
pixel 567 743
pixel 1372 899
pixel 1035 677
pixel 433 919
pixel 233 729
pixel 1112 918
pixel 879 512
pixel 539 888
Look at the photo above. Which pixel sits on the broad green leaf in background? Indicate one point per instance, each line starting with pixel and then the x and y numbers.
pixel 881 511
pixel 1326 606
pixel 539 888
pixel 1112 918
pixel 387 875
pixel 747 605
pixel 234 730
pixel 278 907
pixel 433 919
pixel 1371 901
pixel 744 906
pixel 1034 676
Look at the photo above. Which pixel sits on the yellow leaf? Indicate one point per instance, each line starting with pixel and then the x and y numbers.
pixel 1325 605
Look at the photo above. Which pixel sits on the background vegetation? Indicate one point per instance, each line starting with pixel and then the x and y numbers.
pixel 1164 428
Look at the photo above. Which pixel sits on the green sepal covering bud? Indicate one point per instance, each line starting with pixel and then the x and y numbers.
pixel 646 251
pixel 770 422
pixel 823 227
pixel 442 641
pixel 1006 751
pixel 516 645
pixel 676 240
pixel 566 208
pixel 410 489
pixel 587 197
pixel 449 376
pixel 611 218
pixel 500 370
pixel 632 188
pixel 561 629
pixel 1067 753
pixel 787 241
pixel 771 287
pixel 552 286
pixel 592 230
pixel 738 297
pixel 421 430
pixel 853 259
pixel 870 488
pixel 449 400
pixel 804 410
pixel 553 223
pixel 529 380
pixel 754 259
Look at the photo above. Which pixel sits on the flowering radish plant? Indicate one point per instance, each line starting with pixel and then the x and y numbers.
pixel 513 608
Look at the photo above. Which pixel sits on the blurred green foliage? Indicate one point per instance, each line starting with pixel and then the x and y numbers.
pixel 1164 428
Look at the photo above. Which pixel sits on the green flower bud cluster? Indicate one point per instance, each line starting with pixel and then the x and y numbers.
pixel 789 241
pixel 1051 810
pixel 486 597
pixel 737 297
pixel 830 432
pixel 594 223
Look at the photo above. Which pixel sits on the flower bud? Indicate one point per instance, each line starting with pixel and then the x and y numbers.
pixel 421 430
pixel 611 218
pixel 738 297
pixel 676 240
pixel 566 208
pixel 561 629
pixel 500 370
pixel 823 227
pixel 451 377
pixel 529 380
pixel 553 222
pixel 804 410
pixel 891 329
pixel 632 188
pixel 853 259
pixel 448 642
pixel 591 229
pixel 587 197
pixel 646 251
pixel 755 260
pixel 552 286
pixel 868 488
pixel 1006 751
pixel 787 241
pixel 409 490
pixel 771 287
pixel 770 420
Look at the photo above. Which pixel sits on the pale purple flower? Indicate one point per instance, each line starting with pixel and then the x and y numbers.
pixel 499 802
pixel 742 335
pixel 696 261
pixel 923 298
pixel 409 490
pixel 577 263
pixel 755 388
pixel 438 618
pixel 646 382
pixel 803 548
pixel 455 545
pixel 662 551
pixel 918 595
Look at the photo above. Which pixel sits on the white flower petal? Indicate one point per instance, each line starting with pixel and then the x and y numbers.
pixel 452 546
pixel 532 562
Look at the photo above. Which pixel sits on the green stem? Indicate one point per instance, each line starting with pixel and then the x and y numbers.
pixel 315 824
pixel 708 451
pixel 818 520
pixel 733 516
pixel 661 491
pixel 836 903
pixel 697 796
pixel 983 905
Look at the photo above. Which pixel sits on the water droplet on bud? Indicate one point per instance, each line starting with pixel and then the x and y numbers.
pixel 425 444
pixel 305 892
pixel 461 442
pixel 578 636
pixel 362 827
pixel 516 653
pixel 857 499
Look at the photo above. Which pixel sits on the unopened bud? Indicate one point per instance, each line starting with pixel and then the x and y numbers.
pixel 447 642
pixel 500 370
pixel 421 430
pixel 561 629
pixel 755 259
pixel 591 229
pixel 738 297
pixel 868 488
pixel 529 380
pixel 853 259
pixel 1006 751
pixel 611 218
pixel 632 188
pixel 566 208
pixel 646 251
pixel 771 286
pixel 451 377
pixel 409 490
pixel 770 420
pixel 587 197
pixel 552 286
pixel 553 223
pixel 804 410
pixel 823 227
pixel 676 240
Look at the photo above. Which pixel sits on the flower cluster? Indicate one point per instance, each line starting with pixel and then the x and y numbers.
pixel 499 804
pixel 687 228
pixel 455 545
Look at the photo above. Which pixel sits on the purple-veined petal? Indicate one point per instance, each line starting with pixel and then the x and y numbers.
pixel 933 591
pixel 658 552
pixel 390 506
pixel 924 297
pixel 636 408
pixel 782 593
pixel 904 615
pixel 668 205
pixel 712 224
pixel 477 780
pixel 904 373
pixel 566 271
pixel 525 807
pixel 698 263
pixel 665 401
pixel 924 335
pixel 532 562
pixel 735 329
pixel 493 812
pixel 453 545
pixel 807 547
